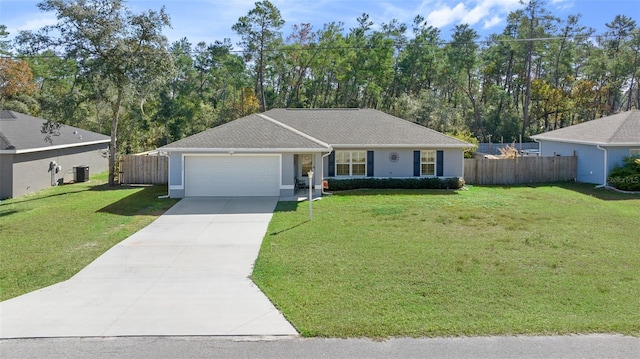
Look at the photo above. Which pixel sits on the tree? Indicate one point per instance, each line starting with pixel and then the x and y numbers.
pixel 124 52
pixel 329 68
pixel 60 91
pixel 260 32
pixel 621 62
pixel 302 53
pixel 15 78
pixel 16 86
pixel 462 61
pixel 535 21
pixel 5 45
pixel 418 62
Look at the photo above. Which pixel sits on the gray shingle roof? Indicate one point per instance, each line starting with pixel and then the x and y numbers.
pixel 622 129
pixel 361 127
pixel 20 132
pixel 250 132
pixel 310 128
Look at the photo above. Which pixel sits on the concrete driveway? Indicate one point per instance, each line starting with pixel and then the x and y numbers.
pixel 185 274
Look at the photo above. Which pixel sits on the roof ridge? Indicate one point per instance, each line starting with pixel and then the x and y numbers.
pixel 296 131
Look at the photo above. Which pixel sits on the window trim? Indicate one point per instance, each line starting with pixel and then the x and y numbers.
pixel 350 162
pixel 434 163
pixel 634 152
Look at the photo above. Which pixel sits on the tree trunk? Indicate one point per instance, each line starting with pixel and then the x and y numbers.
pixel 115 108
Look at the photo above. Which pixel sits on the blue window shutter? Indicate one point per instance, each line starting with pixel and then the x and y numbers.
pixel 369 163
pixel 416 163
pixel 332 164
pixel 439 163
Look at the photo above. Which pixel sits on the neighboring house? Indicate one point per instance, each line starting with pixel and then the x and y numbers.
pixel 28 158
pixel 599 144
pixel 265 154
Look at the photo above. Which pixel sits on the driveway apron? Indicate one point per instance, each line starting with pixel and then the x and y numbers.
pixel 184 274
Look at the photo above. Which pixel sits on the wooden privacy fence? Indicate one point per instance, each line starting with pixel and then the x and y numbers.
pixel 137 169
pixel 520 170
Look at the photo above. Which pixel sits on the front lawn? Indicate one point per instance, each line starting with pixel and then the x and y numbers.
pixel 523 260
pixel 49 236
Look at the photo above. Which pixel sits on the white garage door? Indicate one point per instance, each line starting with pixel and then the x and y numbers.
pixel 232 175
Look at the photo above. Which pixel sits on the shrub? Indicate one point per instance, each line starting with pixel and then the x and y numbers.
pixel 467 137
pixel 395 183
pixel 627 176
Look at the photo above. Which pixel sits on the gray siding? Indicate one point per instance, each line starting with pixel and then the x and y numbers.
pixel 176 187
pixel 288 170
pixel 31 170
pixel 453 163
pixel 383 167
pixel 175 169
pixel 6 175
pixel 616 155
pixel 590 159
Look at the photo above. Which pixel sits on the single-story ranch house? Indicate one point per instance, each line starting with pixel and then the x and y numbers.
pixel 267 154
pixel 29 162
pixel 599 144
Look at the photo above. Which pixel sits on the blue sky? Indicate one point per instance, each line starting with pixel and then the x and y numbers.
pixel 210 20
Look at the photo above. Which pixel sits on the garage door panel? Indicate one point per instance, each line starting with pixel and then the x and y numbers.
pixel 232 176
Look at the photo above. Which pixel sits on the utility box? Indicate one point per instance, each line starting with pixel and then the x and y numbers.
pixel 80 173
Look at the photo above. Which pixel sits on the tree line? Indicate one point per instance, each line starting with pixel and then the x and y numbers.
pixel 104 68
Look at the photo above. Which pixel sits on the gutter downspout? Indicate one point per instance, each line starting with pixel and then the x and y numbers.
pixel 606 156
pixel 322 172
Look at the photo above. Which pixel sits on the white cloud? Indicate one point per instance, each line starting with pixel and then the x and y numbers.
pixel 470 12
pixel 563 4
pixel 39 21
pixel 446 15
pixel 492 22
pixel 29 22
pixel 476 14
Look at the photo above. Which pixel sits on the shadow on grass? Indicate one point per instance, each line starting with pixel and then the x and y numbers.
pixel 36 197
pixel 583 188
pixel 144 201
pixel 288 229
pixel 68 188
pixel 6 213
pixel 286 206
pixel 599 193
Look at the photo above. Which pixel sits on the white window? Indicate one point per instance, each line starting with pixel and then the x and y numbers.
pixel 307 164
pixel 427 163
pixel 634 152
pixel 351 163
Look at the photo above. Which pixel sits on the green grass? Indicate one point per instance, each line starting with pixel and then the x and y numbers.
pixel 488 261
pixel 49 236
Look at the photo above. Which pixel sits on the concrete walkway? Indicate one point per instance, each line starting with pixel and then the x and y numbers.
pixel 185 274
